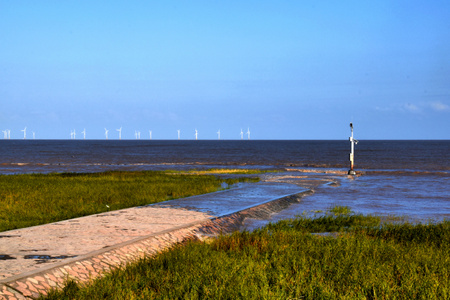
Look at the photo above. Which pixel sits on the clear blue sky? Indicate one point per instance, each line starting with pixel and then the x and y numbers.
pixel 284 69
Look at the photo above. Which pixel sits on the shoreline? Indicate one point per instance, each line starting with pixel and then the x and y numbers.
pixel 204 225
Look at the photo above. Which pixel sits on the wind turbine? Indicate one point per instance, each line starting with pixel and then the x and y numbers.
pixel 179 133
pixel 150 132
pixel 9 134
pixel 196 134
pixel 248 133
pixel 34 135
pixel 106 133
pixel 5 134
pixel 137 134
pixel 242 134
pixel 120 133
pixel 74 134
pixel 24 133
pixel 218 134
pixel 84 133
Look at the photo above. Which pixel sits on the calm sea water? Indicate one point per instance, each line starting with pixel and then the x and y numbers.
pixel 401 177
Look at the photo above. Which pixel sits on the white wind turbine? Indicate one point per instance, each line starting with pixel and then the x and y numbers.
pixel 218 134
pixel 150 132
pixel 9 134
pixel 84 133
pixel 34 135
pixel 196 134
pixel 106 133
pixel 120 133
pixel 179 133
pixel 5 134
pixel 24 133
pixel 74 134
pixel 242 134
pixel 139 134
pixel 248 133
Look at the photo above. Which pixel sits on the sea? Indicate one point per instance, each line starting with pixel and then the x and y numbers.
pixel 399 178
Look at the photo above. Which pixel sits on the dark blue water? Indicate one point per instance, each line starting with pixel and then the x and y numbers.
pixel 24 156
pixel 409 178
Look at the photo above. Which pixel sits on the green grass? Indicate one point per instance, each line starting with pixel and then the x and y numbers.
pixel 34 199
pixel 367 260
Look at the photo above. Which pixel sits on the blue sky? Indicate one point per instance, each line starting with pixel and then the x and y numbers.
pixel 284 69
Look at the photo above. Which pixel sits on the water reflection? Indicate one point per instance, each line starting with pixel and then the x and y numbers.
pixel 418 198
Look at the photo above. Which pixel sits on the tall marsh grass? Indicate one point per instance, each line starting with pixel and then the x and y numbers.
pixel 33 199
pixel 367 260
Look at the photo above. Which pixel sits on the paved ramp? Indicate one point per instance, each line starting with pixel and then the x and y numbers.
pixel 35 259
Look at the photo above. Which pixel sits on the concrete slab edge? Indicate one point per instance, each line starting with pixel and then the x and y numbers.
pixel 94 264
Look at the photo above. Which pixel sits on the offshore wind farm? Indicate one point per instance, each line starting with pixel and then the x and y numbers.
pixel 107 135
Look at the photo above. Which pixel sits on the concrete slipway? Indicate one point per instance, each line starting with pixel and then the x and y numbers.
pixel 35 259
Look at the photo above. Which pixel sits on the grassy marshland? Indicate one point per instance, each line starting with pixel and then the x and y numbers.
pixel 367 260
pixel 33 199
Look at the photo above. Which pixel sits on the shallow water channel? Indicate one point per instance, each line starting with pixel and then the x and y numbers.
pixel 416 198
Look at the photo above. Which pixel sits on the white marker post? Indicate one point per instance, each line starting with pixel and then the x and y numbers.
pixel 353 142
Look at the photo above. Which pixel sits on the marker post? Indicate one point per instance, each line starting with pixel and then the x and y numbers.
pixel 353 142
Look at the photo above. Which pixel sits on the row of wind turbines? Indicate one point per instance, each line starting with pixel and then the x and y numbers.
pixel 137 134
pixel 7 134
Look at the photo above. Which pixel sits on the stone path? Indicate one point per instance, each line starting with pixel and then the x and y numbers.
pixel 35 259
